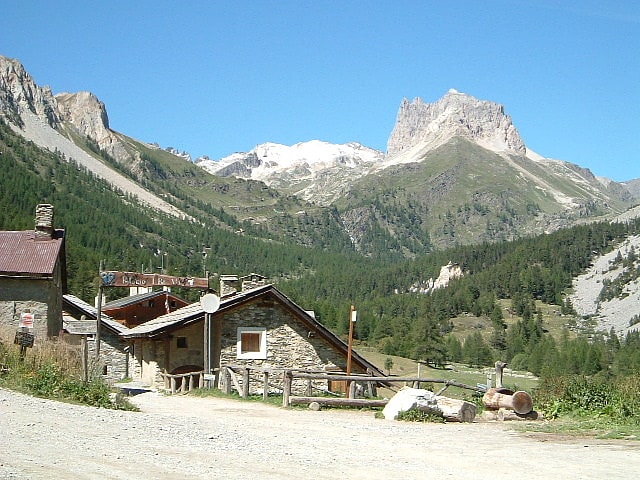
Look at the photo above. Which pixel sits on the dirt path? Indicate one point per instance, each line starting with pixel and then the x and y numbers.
pixel 188 437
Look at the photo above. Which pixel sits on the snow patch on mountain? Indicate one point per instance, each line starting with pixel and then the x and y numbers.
pixel 275 158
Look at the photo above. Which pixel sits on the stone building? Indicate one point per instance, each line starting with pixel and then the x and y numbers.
pixel 260 327
pixel 33 275
pixel 79 326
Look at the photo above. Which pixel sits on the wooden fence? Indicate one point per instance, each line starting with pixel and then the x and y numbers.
pixel 361 388
pixel 183 382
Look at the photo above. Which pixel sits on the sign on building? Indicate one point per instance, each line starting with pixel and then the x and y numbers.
pixel 135 279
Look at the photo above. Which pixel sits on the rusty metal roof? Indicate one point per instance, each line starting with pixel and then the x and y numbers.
pixel 22 255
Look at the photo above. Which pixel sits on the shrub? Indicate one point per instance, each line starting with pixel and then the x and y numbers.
pixel 52 369
pixel 617 399
pixel 416 415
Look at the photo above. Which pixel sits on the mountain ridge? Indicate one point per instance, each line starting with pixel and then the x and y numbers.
pixel 478 180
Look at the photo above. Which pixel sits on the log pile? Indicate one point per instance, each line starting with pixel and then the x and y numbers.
pixel 504 404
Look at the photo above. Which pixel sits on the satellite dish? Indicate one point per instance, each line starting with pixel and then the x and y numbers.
pixel 210 302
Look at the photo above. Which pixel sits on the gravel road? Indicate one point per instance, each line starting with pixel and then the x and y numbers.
pixel 189 437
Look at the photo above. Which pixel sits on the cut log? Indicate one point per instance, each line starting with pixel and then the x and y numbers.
pixel 504 415
pixel 520 402
pixel 455 410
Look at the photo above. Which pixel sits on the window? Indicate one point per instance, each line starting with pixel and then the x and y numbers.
pixel 252 343
pixel 181 342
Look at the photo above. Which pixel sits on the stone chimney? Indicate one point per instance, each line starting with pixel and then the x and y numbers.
pixel 44 222
pixel 229 285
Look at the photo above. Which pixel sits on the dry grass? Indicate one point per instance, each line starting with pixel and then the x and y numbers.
pixel 56 351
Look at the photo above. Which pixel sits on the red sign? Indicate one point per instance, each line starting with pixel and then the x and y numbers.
pixel 134 279
pixel 26 320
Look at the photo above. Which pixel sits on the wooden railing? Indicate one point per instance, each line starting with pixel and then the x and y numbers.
pixel 188 381
pixel 353 381
pixel 361 388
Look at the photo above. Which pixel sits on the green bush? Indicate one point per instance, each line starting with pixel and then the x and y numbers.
pixel 616 399
pixel 415 415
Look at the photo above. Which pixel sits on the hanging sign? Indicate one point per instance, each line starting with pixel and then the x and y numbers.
pixel 134 279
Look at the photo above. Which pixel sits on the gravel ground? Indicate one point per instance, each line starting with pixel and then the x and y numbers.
pixel 190 437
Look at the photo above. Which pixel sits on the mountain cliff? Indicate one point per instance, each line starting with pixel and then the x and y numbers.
pixel 429 125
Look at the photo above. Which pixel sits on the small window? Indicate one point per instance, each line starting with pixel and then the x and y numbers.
pixel 252 343
pixel 105 371
pixel 181 342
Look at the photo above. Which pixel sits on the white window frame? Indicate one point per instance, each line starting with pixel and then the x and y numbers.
pixel 262 354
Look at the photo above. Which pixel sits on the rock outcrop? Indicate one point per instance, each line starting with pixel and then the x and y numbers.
pixel 455 114
pixel 19 94
pixel 448 272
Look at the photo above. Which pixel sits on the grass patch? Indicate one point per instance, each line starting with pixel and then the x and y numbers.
pixel 598 407
pixel 578 426
pixel 415 415
pixel 52 369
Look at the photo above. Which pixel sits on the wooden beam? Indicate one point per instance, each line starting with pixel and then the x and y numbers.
pixel 348 402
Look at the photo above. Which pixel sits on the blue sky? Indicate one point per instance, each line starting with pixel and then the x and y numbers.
pixel 214 77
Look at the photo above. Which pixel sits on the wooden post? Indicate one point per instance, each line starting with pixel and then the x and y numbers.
pixel 286 392
pixel 245 383
pixel 352 390
pixel 265 386
pixel 499 369
pixel 85 359
pixel 227 381
pixel 352 319
pixel 99 311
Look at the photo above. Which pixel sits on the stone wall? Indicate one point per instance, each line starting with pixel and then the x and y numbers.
pixel 289 345
pixel 42 297
pixel 114 363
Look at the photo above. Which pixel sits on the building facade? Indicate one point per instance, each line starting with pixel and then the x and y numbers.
pixel 33 275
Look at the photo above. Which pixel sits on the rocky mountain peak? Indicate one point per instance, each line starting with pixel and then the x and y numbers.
pixel 83 112
pixel 19 94
pixel 455 114
pixel 86 113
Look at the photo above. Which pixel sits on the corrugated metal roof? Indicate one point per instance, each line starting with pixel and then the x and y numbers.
pixel 78 327
pixel 21 254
